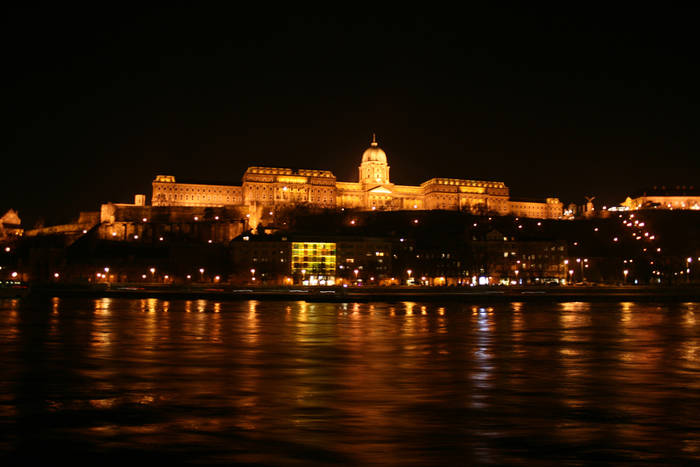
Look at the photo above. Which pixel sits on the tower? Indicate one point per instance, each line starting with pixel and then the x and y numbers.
pixel 374 169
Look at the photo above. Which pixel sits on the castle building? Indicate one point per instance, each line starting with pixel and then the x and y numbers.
pixel 662 197
pixel 270 187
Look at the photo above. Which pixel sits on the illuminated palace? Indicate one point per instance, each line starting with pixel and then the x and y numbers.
pixel 269 187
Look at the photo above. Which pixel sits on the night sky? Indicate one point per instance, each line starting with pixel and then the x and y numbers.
pixel 567 103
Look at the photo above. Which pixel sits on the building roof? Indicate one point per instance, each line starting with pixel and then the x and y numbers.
pixel 308 237
pixel 374 153
pixel 667 190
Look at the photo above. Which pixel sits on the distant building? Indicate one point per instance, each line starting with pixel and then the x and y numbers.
pixel 663 197
pixel 10 225
pixel 269 187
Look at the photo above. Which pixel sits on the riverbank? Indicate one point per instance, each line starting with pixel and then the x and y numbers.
pixel 364 294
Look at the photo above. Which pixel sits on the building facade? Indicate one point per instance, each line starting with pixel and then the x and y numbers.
pixel 311 260
pixel 270 187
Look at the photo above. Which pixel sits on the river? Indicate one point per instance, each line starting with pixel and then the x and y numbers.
pixel 297 383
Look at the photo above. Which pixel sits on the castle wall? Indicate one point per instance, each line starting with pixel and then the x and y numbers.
pixel 129 222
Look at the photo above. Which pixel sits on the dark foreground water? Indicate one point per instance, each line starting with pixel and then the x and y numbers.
pixel 295 383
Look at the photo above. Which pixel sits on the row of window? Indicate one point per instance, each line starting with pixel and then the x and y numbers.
pixel 195 198
pixel 198 190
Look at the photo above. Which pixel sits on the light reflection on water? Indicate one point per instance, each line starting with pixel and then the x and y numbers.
pixel 402 383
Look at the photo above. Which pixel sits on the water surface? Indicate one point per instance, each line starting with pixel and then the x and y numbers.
pixel 296 383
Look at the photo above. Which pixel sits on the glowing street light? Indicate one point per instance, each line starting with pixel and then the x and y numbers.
pixel 625 272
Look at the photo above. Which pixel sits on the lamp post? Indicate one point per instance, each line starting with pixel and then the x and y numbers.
pixel 625 272
pixel 688 260
pixel 409 272
pixel 356 271
pixel 252 275
pixel 578 260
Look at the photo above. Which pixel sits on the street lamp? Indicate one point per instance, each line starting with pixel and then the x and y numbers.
pixel 625 272
pixel 356 271
pixel 409 272
pixel 252 273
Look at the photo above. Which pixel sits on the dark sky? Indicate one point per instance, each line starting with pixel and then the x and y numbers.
pixel 568 103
